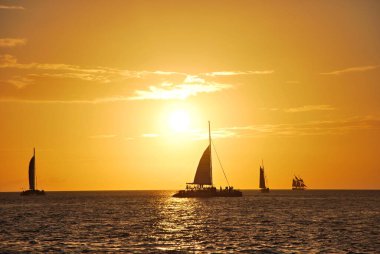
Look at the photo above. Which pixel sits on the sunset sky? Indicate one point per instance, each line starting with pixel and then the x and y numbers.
pixel 116 95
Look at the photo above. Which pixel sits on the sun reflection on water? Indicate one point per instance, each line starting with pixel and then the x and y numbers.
pixel 181 222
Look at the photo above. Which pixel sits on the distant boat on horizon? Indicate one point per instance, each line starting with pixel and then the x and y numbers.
pixel 32 178
pixel 202 186
pixel 262 184
pixel 298 183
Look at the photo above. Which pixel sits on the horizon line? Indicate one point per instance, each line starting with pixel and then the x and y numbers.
pixel 258 189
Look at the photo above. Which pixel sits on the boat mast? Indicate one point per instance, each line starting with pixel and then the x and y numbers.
pixel 262 163
pixel 209 141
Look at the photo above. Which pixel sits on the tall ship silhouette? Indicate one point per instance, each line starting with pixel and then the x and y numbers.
pixel 262 183
pixel 202 186
pixel 298 183
pixel 32 178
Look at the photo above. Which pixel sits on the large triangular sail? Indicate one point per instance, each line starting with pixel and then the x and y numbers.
pixel 203 176
pixel 32 172
pixel 262 178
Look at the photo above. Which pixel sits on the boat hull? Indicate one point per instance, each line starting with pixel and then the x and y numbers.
pixel 207 193
pixel 33 193
pixel 298 189
pixel 264 190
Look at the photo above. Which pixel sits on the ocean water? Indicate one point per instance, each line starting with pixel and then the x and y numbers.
pixel 154 222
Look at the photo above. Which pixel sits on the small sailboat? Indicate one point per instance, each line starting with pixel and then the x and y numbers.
pixel 298 183
pixel 262 185
pixel 202 186
pixel 32 178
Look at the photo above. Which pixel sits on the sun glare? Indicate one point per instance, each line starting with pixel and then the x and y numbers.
pixel 179 121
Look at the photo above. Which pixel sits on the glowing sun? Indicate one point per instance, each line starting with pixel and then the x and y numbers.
pixel 179 121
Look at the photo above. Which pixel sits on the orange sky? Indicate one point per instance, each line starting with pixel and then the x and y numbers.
pixel 95 85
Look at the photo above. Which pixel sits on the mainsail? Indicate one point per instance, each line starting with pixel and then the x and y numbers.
pixel 298 183
pixel 203 176
pixel 32 172
pixel 262 177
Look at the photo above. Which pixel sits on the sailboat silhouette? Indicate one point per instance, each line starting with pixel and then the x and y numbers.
pixel 298 183
pixel 262 184
pixel 202 185
pixel 32 178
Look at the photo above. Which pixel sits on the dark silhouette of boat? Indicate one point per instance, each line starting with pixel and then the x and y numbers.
pixel 262 184
pixel 202 185
pixel 298 184
pixel 32 178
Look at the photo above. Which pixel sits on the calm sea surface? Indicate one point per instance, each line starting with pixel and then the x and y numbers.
pixel 154 222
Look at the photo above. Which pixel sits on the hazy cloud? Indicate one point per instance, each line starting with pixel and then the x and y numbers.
pixel 12 42
pixel 165 85
pixel 191 86
pixel 338 127
pixel 234 73
pixel 352 69
pixel 11 7
pixel 92 101
pixel 142 74
pixel 307 108
pixel 83 76
pixel 100 74
pixel 7 61
pixel 312 128
pixel 20 82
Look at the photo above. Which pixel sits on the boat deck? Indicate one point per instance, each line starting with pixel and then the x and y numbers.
pixel 208 193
